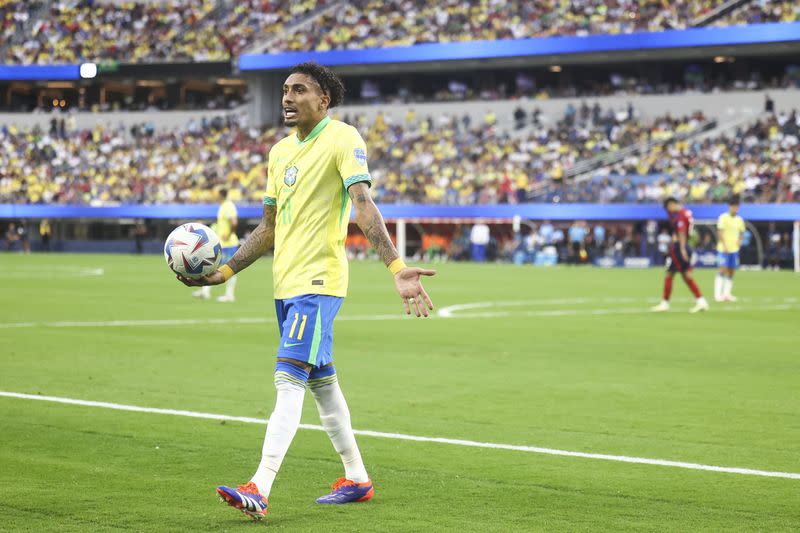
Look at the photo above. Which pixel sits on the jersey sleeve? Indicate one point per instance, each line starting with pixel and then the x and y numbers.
pixel 271 194
pixel 721 222
pixel 351 159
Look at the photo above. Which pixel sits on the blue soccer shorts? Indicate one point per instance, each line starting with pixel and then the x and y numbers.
pixel 728 260
pixel 305 323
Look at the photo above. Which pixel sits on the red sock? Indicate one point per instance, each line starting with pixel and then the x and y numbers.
pixel 693 286
pixel 667 288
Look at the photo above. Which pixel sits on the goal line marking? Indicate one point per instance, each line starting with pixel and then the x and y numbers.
pixel 415 438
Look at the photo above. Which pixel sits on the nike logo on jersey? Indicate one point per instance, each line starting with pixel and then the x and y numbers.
pixel 290 344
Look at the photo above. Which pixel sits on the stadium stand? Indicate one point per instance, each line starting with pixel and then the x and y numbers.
pixel 449 160
pixel 186 31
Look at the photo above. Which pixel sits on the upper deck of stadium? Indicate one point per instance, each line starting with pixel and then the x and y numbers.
pixel 178 31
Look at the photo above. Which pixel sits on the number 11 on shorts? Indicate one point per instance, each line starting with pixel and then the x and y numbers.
pixel 302 326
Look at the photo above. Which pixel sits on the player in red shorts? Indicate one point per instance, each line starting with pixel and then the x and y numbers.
pixel 680 255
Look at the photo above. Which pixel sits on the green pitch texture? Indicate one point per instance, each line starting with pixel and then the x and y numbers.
pixel 722 388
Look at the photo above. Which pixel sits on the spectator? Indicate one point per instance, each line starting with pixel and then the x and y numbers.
pixel 12 236
pixel 479 239
pixel 44 234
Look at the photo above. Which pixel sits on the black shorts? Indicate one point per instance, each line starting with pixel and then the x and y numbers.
pixel 676 262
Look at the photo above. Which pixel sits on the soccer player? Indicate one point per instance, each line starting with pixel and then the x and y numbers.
pixel 227 222
pixel 313 176
pixel 679 260
pixel 730 232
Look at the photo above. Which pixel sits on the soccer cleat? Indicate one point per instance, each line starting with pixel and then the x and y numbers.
pixel 226 298
pixel 246 498
pixel 730 298
pixel 347 491
pixel 701 305
pixel 200 293
pixel 660 308
pixel 719 299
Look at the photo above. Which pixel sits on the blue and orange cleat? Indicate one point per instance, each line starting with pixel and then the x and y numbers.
pixel 246 498
pixel 347 491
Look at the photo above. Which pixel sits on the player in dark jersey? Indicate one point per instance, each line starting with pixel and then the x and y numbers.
pixel 680 255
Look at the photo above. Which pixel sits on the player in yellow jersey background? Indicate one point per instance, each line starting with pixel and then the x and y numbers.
pixel 314 177
pixel 730 231
pixel 225 228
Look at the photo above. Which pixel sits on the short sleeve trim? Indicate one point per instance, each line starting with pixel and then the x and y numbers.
pixel 356 179
pixel 269 200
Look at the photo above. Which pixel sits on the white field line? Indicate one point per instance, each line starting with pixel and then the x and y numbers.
pixel 444 313
pixel 415 438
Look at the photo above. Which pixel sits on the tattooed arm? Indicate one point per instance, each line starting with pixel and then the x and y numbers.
pixel 370 221
pixel 406 281
pixel 261 239
pixel 258 243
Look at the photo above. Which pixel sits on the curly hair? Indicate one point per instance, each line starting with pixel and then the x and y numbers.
pixel 327 80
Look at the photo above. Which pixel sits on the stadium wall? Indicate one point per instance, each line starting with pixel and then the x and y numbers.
pixel 88 120
pixel 723 106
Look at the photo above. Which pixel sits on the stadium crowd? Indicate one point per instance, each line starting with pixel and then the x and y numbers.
pixel 72 31
pixel 448 160
pixel 186 30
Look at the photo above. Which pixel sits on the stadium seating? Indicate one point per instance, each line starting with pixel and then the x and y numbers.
pixel 184 30
pixel 177 30
pixel 450 160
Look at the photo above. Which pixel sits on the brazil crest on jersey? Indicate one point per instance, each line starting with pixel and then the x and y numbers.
pixel 307 181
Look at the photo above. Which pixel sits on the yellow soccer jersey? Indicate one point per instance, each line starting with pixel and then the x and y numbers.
pixel 227 236
pixel 307 181
pixel 732 229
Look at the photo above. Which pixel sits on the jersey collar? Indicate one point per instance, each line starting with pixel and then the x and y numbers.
pixel 316 131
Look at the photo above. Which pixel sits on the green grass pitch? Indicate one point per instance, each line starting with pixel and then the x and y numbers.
pixel 559 358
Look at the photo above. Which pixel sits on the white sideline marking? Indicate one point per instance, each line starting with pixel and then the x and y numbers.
pixel 416 438
pixel 444 313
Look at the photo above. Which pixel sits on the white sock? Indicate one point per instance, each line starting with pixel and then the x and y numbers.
pixel 718 282
pixel 727 287
pixel 206 291
pixel 335 418
pixel 281 429
pixel 230 286
pixel 701 300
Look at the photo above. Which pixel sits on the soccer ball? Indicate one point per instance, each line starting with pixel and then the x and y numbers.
pixel 193 250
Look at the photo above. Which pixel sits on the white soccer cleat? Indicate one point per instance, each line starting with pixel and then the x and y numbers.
pixel 200 293
pixel 719 299
pixel 660 308
pixel 701 305
pixel 730 298
pixel 226 298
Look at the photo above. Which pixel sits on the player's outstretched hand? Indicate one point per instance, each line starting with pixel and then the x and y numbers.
pixel 409 286
pixel 215 278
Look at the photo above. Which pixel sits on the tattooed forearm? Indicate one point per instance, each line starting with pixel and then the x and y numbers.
pixel 258 243
pixel 370 221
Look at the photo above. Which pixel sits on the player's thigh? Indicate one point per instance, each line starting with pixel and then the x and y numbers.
pixel 307 329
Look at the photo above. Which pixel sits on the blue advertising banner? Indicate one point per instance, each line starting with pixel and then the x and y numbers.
pixel 504 212
pixel 693 37
pixel 40 72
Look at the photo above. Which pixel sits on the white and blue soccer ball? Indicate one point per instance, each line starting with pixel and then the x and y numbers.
pixel 193 250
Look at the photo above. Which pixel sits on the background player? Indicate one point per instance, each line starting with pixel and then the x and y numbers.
pixel 680 255
pixel 730 232
pixel 227 222
pixel 313 175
